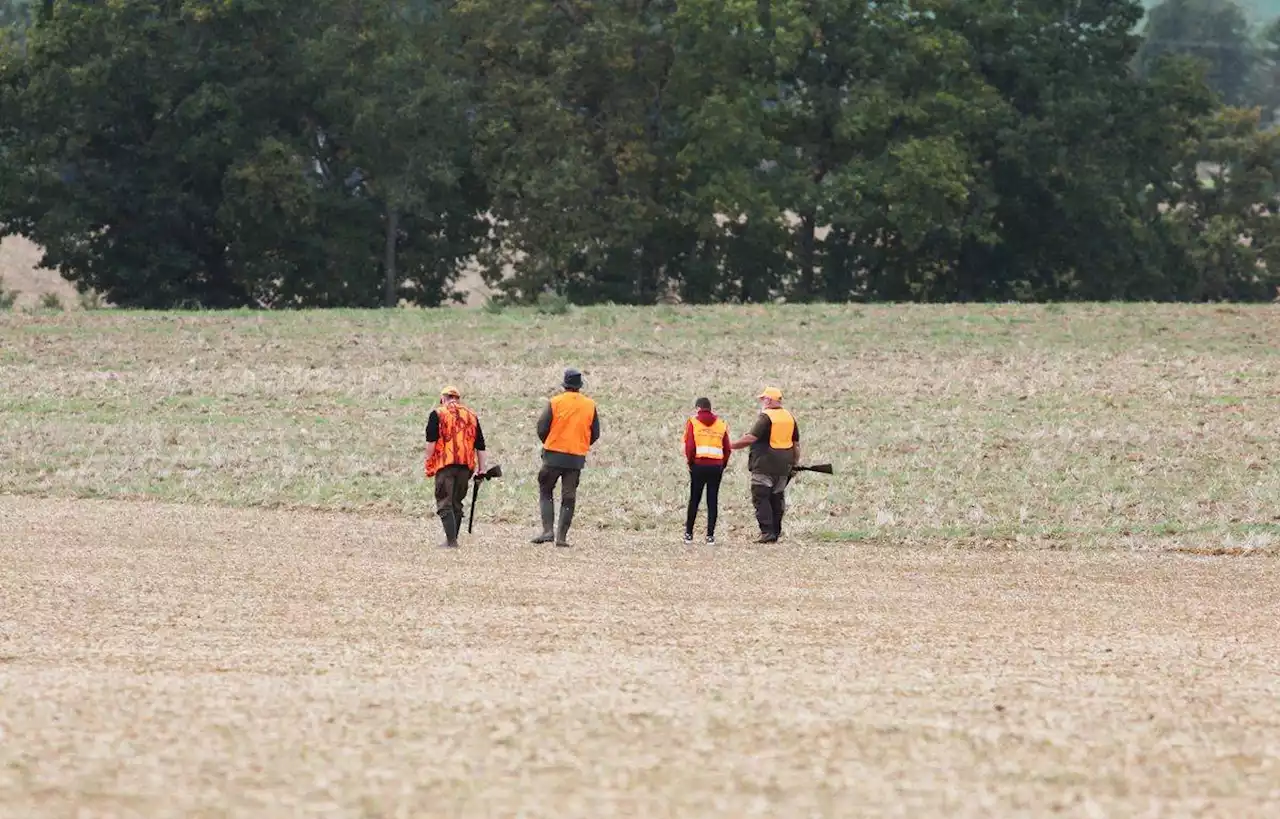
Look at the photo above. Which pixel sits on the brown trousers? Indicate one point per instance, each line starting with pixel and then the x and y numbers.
pixel 452 483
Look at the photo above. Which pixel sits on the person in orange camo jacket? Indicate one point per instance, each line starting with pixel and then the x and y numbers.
pixel 455 452
pixel 706 449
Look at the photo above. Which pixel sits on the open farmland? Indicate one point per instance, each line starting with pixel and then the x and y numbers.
pixel 1043 578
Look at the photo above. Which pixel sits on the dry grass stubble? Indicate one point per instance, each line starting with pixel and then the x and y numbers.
pixel 160 660
pixel 1121 426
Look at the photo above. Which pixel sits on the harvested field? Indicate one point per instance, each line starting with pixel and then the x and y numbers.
pixel 162 660
pixel 1043 580
pixel 1130 426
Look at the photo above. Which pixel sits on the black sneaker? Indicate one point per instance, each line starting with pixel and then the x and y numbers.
pixel 711 540
pixel 767 538
pixel 688 537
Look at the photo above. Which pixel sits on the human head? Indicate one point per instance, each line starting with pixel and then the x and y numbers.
pixel 703 404
pixel 770 398
pixel 450 395
pixel 572 379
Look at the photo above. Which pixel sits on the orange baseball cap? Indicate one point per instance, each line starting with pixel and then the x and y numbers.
pixel 450 391
pixel 771 392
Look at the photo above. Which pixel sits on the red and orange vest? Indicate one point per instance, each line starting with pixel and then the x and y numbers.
pixel 456 445
pixel 571 417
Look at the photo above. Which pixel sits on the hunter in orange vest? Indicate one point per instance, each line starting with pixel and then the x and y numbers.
pixel 455 453
pixel 706 450
pixel 775 448
pixel 567 428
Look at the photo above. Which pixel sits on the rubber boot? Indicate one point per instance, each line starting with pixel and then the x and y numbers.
pixel 566 520
pixel 779 505
pixel 450 524
pixel 547 507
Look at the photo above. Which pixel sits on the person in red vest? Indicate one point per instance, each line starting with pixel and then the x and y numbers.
pixel 455 454
pixel 706 449
pixel 775 448
pixel 568 427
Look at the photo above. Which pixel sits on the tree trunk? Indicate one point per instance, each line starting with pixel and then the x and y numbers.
pixel 808 226
pixel 389 261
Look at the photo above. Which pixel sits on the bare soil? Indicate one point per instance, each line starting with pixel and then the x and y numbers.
pixel 188 660
pixel 20 270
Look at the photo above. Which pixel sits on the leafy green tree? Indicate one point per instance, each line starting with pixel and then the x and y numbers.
pixel 1265 86
pixel 616 139
pixel 16 15
pixel 393 103
pixel 340 152
pixel 1225 221
pixel 1216 32
pixel 732 152
pixel 1071 164
pixel 573 138
pixel 250 152
pixel 878 113
pixel 127 119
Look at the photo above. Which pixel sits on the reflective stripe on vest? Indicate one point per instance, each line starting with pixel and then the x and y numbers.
pixel 708 441
pixel 456 445
pixel 782 428
pixel 571 417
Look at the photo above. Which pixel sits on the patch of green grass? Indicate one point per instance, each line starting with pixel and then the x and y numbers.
pixel 55 406
pixel 7 297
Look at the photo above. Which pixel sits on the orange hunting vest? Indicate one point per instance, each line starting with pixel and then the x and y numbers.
pixel 456 445
pixel 571 416
pixel 708 441
pixel 781 428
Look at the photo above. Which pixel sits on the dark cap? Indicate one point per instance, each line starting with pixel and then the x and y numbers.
pixel 703 403
pixel 572 379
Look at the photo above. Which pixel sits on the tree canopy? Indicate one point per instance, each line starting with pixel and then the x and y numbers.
pixel 221 153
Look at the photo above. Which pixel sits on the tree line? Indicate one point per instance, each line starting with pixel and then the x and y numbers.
pixel 318 153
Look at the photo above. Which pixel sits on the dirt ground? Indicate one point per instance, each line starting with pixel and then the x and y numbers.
pixel 19 270
pixel 170 660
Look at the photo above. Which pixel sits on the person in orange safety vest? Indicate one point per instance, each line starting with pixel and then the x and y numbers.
pixel 775 448
pixel 568 427
pixel 706 450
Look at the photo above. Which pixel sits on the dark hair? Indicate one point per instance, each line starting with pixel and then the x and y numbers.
pixel 703 403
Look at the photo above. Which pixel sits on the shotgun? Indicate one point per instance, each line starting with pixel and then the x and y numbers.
pixel 825 469
pixel 489 474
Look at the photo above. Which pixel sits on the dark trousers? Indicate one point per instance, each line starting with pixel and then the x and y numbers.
pixel 708 478
pixel 768 494
pixel 452 483
pixel 568 479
